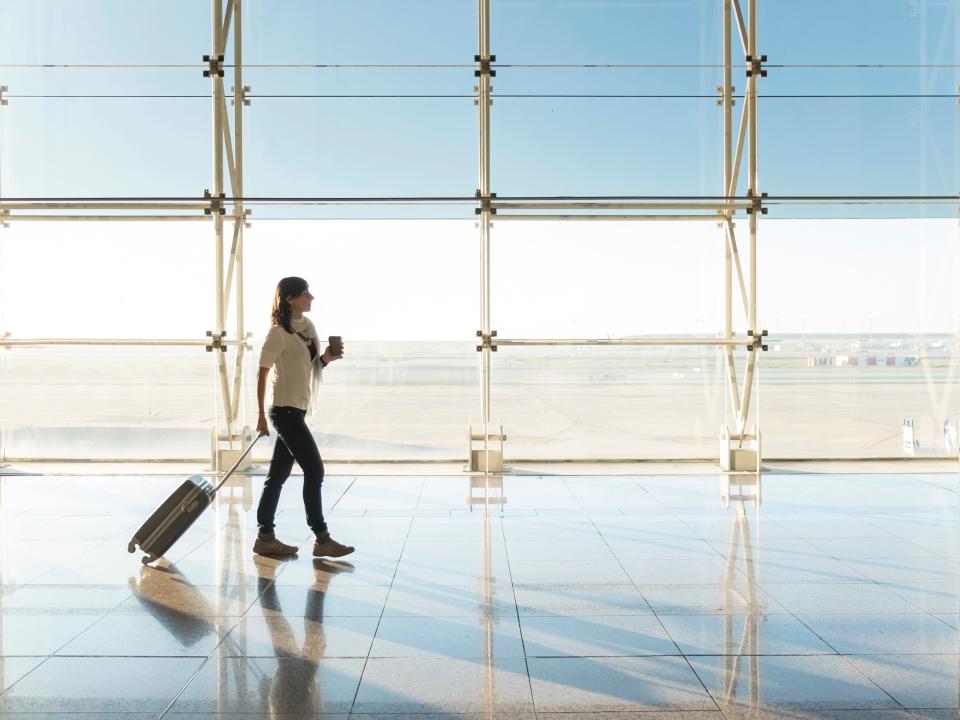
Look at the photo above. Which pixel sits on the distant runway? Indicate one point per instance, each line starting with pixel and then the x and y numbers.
pixel 415 402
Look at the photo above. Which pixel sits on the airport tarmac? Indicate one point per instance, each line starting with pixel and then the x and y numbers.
pixel 384 405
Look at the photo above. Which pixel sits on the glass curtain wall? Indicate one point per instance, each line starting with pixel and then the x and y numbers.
pixel 863 290
pixel 360 163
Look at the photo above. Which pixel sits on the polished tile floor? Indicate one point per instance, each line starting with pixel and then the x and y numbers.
pixel 608 597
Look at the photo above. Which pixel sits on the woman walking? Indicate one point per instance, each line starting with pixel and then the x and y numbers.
pixel 292 349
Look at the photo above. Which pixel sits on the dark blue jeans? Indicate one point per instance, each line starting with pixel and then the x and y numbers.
pixel 294 442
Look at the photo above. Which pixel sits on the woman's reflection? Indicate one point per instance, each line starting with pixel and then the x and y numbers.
pixel 294 688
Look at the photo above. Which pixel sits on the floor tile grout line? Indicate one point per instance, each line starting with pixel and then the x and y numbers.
pixel 870 680
pixel 416 505
pixel 88 627
pixel 516 607
pixel 376 630
pixel 180 692
pixel 46 659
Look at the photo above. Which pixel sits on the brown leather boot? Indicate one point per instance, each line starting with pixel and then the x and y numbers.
pixel 272 546
pixel 326 546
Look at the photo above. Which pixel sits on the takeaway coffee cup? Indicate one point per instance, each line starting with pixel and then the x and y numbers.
pixel 336 345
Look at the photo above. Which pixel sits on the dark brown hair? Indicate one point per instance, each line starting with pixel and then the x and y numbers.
pixel 288 287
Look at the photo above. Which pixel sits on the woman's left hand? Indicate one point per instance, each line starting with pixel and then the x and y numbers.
pixel 329 357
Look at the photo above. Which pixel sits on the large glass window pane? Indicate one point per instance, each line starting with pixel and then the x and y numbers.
pixel 593 279
pixel 858 32
pixel 372 31
pixel 599 280
pixel 106 98
pixel 104 31
pixel 108 279
pixel 859 146
pixel 608 403
pixel 404 296
pixel 611 146
pixel 863 318
pixel 361 147
pixel 106 147
pixel 631 31
pixel 107 403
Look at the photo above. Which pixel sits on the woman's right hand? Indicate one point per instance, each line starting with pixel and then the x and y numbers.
pixel 262 427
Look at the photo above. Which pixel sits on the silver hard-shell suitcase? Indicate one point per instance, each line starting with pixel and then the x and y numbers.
pixel 177 513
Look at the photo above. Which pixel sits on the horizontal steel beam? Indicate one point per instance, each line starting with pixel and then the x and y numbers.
pixel 710 218
pixel 40 342
pixel 655 341
pixel 720 205
pixel 106 218
pixel 105 205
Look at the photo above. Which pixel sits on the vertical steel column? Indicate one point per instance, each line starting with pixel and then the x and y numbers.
pixel 217 188
pixel 754 175
pixel 217 97
pixel 239 213
pixel 727 101
pixel 752 170
pixel 3 332
pixel 484 102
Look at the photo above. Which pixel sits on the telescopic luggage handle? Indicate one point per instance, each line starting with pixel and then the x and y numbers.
pixel 237 463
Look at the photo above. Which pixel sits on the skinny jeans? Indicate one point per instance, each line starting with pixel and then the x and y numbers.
pixel 294 443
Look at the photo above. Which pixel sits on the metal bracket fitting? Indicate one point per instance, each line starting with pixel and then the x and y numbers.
pixel 487 340
pixel 757 341
pixel 757 201
pixel 484 203
pixel 214 66
pixel 484 64
pixel 216 341
pixel 218 204
pixel 240 95
pixel 476 100
pixel 724 97
pixel 756 66
pixel 3 92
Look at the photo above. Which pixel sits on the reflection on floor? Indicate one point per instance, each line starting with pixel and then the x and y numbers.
pixel 838 597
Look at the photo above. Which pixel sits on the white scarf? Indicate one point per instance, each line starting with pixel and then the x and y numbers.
pixel 305 327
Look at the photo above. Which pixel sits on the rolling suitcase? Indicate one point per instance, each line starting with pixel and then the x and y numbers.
pixel 177 513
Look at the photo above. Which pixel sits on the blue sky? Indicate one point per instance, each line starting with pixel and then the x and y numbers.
pixel 427 146
pixel 132 147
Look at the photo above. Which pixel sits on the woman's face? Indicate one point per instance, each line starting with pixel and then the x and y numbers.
pixel 301 303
